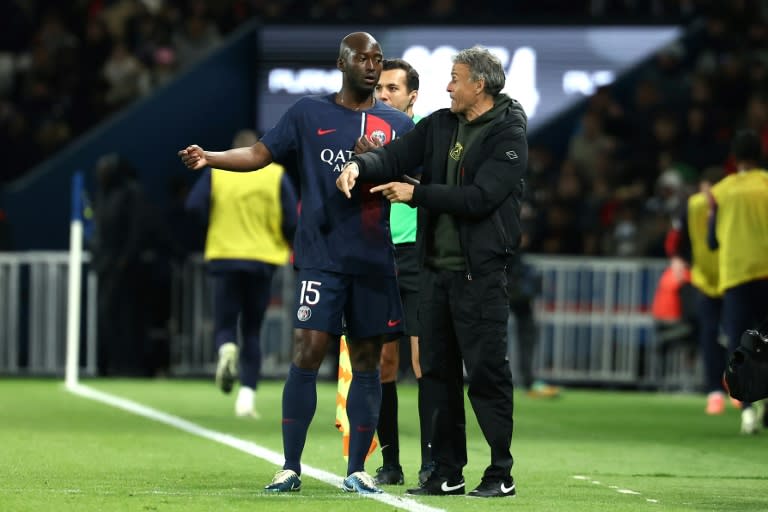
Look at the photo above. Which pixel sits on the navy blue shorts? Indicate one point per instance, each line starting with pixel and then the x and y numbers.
pixel 360 306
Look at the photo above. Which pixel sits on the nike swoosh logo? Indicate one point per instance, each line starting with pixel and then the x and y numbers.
pixel 448 488
pixel 393 323
pixel 320 131
pixel 506 489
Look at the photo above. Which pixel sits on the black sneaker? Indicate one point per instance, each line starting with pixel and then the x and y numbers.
pixel 389 474
pixel 438 486
pixel 494 489
pixel 426 471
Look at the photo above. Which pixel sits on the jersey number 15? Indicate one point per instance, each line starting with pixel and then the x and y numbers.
pixel 309 292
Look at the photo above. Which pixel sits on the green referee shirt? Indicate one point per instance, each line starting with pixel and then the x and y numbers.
pixel 402 219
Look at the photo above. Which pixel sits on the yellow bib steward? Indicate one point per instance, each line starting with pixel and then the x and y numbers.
pixel 248 224
pixel 742 227
pixel 704 271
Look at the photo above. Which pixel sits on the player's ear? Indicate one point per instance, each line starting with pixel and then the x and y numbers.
pixel 340 64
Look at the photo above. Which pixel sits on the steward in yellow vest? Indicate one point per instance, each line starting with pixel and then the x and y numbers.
pixel 252 218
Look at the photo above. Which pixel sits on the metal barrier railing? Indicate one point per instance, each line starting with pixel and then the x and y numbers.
pixel 593 318
pixel 9 314
pixel 33 317
pixel 192 347
pixel 595 324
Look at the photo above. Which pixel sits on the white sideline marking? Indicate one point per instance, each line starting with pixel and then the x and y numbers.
pixel 238 444
pixel 614 487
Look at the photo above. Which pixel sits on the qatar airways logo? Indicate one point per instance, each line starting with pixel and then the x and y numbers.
pixel 336 158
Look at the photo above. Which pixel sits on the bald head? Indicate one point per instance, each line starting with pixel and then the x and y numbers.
pixel 359 61
pixel 361 42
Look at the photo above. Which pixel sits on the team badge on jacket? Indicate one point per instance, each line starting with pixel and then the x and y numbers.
pixel 456 151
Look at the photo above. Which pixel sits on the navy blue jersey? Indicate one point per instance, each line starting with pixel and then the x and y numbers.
pixel 336 234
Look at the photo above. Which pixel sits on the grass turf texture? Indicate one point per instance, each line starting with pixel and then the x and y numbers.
pixel 66 453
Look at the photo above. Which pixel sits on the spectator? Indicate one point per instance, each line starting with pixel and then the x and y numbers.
pixel 89 95
pixel 700 146
pixel 588 143
pixel 525 286
pixel 163 67
pixel 120 236
pixel 187 228
pixel 194 40
pixel 125 75
pixel 703 262
pixel 739 229
pixel 251 223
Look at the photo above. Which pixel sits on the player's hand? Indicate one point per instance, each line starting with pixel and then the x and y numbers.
pixel 395 191
pixel 348 177
pixel 193 157
pixel 365 143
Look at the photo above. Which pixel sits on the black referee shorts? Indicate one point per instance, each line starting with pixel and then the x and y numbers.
pixel 408 281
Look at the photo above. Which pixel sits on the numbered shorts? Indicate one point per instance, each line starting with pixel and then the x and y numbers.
pixel 358 306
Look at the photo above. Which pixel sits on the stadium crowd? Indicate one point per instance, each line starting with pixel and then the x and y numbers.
pixel 639 149
pixel 633 156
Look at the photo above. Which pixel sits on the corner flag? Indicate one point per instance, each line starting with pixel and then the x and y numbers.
pixel 342 390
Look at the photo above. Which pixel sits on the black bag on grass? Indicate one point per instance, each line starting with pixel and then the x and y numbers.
pixel 746 376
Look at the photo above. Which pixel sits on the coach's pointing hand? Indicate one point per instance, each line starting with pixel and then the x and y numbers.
pixel 395 191
pixel 346 180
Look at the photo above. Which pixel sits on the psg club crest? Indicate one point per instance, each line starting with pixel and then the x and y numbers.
pixel 303 313
pixel 379 136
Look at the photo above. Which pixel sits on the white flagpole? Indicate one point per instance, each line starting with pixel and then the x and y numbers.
pixel 75 282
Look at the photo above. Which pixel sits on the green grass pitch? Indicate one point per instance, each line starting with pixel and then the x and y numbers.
pixel 586 451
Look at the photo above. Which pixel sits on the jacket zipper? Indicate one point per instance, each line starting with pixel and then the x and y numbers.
pixel 463 235
pixel 463 238
pixel 501 232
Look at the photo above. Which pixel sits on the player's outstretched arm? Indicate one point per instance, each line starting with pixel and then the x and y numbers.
pixel 239 159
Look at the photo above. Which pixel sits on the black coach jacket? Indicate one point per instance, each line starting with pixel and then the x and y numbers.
pixel 485 204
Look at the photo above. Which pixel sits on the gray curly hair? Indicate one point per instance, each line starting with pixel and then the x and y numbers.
pixel 483 65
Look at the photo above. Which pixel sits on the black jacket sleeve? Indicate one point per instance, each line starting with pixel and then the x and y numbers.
pixel 404 155
pixel 496 178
